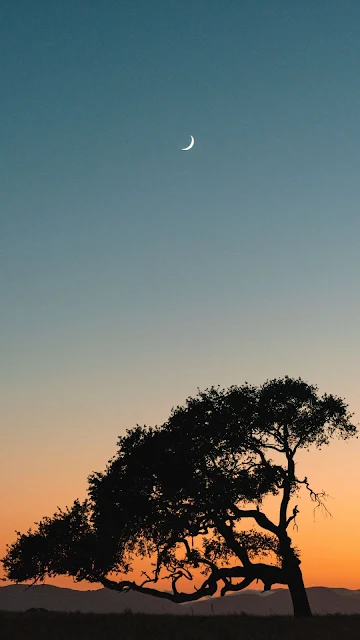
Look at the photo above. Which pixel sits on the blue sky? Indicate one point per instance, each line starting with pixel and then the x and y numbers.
pixel 132 272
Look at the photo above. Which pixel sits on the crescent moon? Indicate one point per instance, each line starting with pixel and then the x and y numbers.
pixel 190 145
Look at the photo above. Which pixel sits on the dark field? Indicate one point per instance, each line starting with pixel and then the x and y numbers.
pixel 127 626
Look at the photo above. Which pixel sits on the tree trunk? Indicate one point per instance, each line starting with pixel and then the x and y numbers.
pixel 298 593
pixel 291 568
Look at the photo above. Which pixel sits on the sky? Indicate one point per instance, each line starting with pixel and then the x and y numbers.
pixel 133 273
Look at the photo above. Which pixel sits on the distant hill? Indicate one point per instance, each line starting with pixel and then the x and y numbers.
pixel 19 598
pixel 322 600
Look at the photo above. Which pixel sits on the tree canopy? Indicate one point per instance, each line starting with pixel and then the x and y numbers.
pixel 182 491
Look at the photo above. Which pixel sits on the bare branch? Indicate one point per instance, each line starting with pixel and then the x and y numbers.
pixel 316 497
pixel 261 519
pixel 228 535
pixel 176 576
pixel 208 588
pixel 268 574
pixel 228 586
pixel 295 512
pixel 32 584
pixel 299 442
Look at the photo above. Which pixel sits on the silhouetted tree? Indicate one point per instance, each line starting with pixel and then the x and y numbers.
pixel 180 493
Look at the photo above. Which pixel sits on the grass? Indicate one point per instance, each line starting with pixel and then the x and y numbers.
pixel 35 625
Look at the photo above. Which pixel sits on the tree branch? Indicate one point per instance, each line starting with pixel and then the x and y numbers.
pixel 267 464
pixel 269 446
pixel 228 535
pixel 261 519
pixel 295 512
pixel 168 546
pixel 208 588
pixel 228 586
pixel 316 497
pixel 268 574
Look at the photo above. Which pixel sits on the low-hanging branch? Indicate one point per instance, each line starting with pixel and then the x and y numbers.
pixel 268 574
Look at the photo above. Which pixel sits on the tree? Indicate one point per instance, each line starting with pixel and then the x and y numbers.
pixel 180 493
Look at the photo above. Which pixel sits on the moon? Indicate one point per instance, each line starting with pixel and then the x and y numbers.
pixel 190 145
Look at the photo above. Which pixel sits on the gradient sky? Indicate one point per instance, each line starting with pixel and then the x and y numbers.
pixel 132 273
